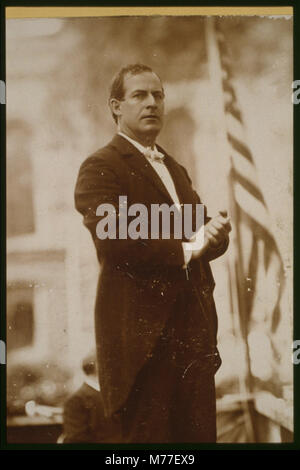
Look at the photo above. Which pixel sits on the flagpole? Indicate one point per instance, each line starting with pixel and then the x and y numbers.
pixel 216 81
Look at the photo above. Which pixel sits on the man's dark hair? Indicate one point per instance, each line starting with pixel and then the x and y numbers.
pixel 117 87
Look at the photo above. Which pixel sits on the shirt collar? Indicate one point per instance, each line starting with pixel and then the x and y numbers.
pixel 137 145
pixel 92 382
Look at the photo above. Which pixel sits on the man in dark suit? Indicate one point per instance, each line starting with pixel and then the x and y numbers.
pixel 155 316
pixel 84 418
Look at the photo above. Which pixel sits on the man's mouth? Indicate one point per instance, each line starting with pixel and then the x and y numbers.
pixel 151 116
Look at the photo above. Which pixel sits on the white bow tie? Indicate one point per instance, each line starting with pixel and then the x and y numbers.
pixel 154 154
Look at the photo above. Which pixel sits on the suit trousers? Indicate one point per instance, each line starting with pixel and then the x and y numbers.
pixel 173 398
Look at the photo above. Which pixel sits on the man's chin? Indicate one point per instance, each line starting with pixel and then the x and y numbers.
pixel 152 127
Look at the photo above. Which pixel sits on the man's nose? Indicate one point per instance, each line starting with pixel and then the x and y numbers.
pixel 150 100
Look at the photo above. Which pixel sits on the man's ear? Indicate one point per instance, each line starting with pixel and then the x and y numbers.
pixel 115 106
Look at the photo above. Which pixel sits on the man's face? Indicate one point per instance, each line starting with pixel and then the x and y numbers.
pixel 142 108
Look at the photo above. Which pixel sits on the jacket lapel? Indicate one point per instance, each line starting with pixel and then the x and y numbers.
pixel 182 185
pixel 139 162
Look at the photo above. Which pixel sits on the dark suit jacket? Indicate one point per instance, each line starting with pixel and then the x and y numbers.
pixel 139 279
pixel 84 419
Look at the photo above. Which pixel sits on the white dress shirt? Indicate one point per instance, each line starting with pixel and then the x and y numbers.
pixel 168 182
pixel 92 382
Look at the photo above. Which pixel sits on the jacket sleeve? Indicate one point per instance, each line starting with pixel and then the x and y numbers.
pixel 212 252
pixel 97 184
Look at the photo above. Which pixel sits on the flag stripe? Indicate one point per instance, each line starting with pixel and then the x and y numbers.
pixel 239 147
pixel 232 109
pixel 235 126
pixel 249 204
pixel 248 185
pixel 227 87
pixel 243 166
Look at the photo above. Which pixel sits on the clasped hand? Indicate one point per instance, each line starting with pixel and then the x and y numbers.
pixel 217 229
pixel 215 232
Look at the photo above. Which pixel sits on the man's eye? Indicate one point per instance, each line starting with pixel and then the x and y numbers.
pixel 158 96
pixel 138 95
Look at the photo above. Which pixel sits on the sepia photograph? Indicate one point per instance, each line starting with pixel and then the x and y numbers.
pixel 149 200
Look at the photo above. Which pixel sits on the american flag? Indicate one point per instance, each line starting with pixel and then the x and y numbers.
pixel 259 265
pixel 256 269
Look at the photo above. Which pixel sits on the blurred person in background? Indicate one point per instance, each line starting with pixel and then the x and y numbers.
pixel 155 317
pixel 83 416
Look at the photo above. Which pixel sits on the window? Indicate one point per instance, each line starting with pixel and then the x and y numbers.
pixel 20 217
pixel 20 317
